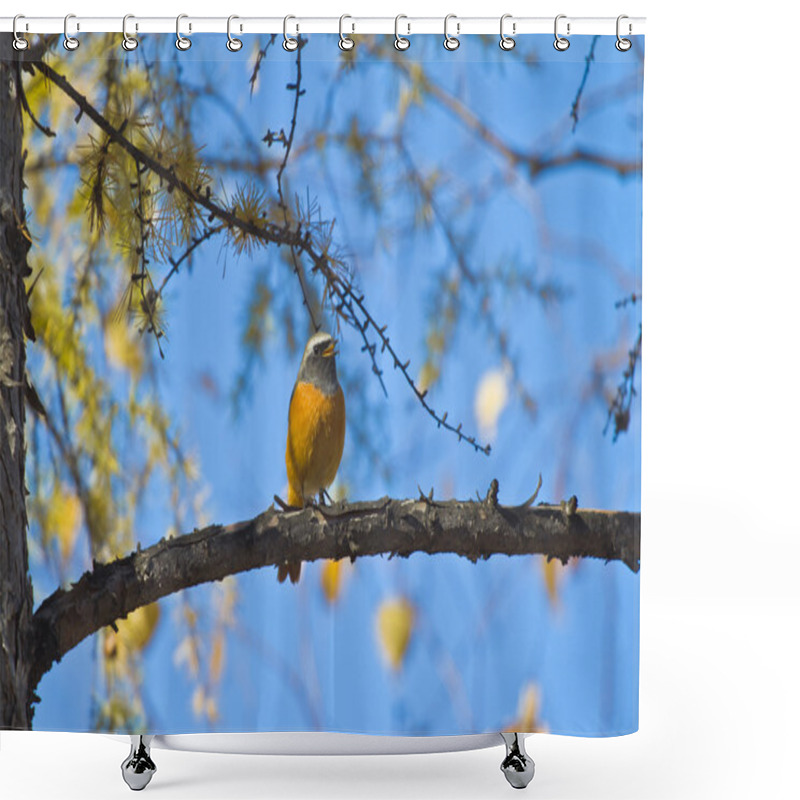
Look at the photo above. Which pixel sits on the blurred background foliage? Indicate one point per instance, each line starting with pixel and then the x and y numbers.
pixel 462 176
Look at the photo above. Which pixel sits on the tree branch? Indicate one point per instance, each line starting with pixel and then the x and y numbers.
pixel 473 529
pixel 347 300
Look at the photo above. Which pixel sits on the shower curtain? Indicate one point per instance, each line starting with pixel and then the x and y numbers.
pixel 367 320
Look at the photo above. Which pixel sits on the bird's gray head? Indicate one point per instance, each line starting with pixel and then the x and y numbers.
pixel 319 363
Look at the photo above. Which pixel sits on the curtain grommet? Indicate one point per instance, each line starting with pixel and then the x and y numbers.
pixel 622 44
pixel 290 43
pixel 129 42
pixel 233 44
pixel 561 43
pixel 507 42
pixel 451 43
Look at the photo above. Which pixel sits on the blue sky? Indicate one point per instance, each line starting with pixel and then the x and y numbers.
pixel 484 631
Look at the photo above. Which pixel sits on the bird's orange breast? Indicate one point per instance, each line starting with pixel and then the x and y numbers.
pixel 315 440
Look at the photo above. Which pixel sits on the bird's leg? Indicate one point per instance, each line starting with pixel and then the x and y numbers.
pixel 323 496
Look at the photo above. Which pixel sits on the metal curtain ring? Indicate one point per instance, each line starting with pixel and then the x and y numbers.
pixel 400 42
pixel 233 44
pixel 19 42
pixel 128 42
pixel 623 45
pixel 70 42
pixel 507 42
pixel 560 43
pixel 451 42
pixel 289 42
pixel 345 42
pixel 181 42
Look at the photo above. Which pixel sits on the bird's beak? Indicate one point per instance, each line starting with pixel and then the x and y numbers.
pixel 330 350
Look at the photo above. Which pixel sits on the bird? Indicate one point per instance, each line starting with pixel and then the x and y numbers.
pixel 316 430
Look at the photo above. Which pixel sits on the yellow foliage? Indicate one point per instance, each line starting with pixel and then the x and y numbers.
pixel 491 398
pixel 203 704
pixel 136 630
pixel 395 623
pixel 186 652
pixel 123 349
pixel 217 657
pixel 428 375
pixel 198 701
pixel 527 711
pixel 62 520
pixel 331 579
pixel 552 571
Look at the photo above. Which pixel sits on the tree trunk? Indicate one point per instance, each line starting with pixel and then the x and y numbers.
pixel 16 594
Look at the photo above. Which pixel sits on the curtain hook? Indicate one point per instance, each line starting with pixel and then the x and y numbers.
pixel 290 44
pixel 451 42
pixel 400 42
pixel 507 42
pixel 128 42
pixel 560 43
pixel 20 42
pixel 181 42
pixel 345 42
pixel 623 45
pixel 233 44
pixel 70 42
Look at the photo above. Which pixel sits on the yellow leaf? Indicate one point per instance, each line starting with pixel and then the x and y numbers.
pixel 527 711
pixel 63 519
pixel 136 630
pixel 217 657
pixel 331 580
pixel 491 398
pixel 123 349
pixel 552 571
pixel 395 623
pixel 198 701
pixel 428 375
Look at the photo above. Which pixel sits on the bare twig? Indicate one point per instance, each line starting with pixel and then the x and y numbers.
pixel 620 408
pixel 175 263
pixel 576 102
pixel 288 141
pixel 337 285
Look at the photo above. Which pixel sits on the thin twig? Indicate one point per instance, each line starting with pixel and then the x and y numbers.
pixel 620 408
pixel 287 148
pixel 576 102
pixel 337 285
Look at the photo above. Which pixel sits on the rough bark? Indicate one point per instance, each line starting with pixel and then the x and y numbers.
pixel 16 594
pixel 474 529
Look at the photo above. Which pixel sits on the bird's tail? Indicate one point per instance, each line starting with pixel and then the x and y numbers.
pixel 291 569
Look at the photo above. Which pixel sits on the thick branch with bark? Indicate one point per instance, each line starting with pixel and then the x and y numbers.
pixel 473 529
